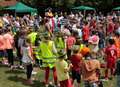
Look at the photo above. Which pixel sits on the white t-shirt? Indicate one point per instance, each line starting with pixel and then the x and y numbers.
pixel 5 20
pixel 17 24
pixel 79 31
pixel 20 42
pixel 118 30
pixel 31 23
pixel 25 57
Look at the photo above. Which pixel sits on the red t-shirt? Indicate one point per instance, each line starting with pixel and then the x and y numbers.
pixel 111 52
pixel 93 24
pixel 86 33
pixel 76 60
pixel 116 26
pixel 110 27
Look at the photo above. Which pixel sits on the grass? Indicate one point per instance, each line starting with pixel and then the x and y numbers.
pixel 17 78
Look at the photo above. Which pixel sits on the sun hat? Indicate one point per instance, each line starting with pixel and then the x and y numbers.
pixel 85 50
pixel 94 39
pixel 61 54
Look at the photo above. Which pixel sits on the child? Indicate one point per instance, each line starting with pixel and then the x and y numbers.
pixel 89 67
pixel 70 41
pixel 76 60
pixel 62 69
pixel 111 55
pixel 27 59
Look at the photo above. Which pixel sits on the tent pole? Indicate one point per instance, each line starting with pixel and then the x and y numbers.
pixel 84 12
pixel 15 14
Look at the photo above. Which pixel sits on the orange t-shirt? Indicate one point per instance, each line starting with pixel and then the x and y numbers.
pixel 88 68
pixel 117 44
pixel 9 40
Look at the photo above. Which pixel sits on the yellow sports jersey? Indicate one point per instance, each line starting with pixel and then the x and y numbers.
pixel 32 37
pixel 61 65
pixel 46 54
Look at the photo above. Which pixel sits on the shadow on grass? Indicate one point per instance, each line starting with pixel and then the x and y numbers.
pixel 23 81
pixel 2 65
pixel 14 72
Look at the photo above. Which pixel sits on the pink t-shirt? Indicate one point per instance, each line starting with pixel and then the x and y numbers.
pixel 2 42
pixel 70 42
pixel 9 40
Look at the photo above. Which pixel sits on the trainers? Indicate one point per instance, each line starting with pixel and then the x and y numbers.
pixel 46 85
pixel 104 80
pixel 29 82
pixel 12 67
pixel 21 67
pixel 34 73
pixel 57 85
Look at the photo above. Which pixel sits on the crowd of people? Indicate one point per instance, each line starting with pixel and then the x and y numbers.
pixel 74 46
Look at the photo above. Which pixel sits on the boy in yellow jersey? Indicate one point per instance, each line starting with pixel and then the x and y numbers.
pixel 62 69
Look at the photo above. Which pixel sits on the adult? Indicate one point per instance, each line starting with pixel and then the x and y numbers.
pixel 47 52
pixel 9 40
pixel 85 32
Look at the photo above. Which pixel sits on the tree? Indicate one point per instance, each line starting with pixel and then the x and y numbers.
pixel 100 4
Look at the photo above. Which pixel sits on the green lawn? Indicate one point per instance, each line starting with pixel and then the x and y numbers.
pixel 17 78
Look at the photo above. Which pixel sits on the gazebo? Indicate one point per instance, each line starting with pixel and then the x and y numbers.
pixel 83 8
pixel 117 8
pixel 21 8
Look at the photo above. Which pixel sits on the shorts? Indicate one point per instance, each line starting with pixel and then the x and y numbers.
pixel 101 46
pixel 76 76
pixel 66 83
pixel 85 42
pixel 111 63
pixel 2 54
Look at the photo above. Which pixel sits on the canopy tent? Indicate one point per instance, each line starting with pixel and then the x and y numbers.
pixel 21 8
pixel 83 8
pixel 117 8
